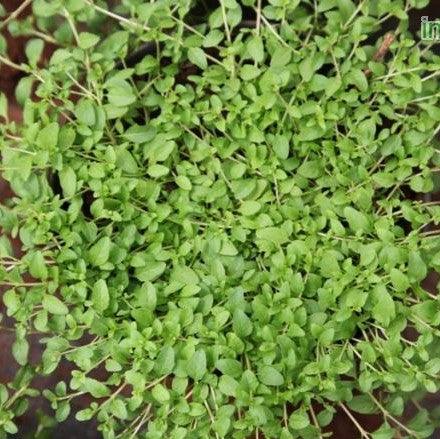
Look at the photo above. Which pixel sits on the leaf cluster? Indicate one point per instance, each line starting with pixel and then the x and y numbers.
pixel 216 227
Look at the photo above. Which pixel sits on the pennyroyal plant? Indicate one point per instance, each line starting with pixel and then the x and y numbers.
pixel 222 214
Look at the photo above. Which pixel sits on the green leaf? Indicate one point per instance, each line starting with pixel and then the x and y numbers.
pixel 276 235
pixel 87 40
pixel 95 388
pixel 34 49
pixel 384 432
pixel 164 363
pixel 100 295
pixel 99 253
pixel 384 309
pixel 139 133
pixel 196 365
pixel 299 420
pixel 362 404
pixel 269 376
pixel 241 324
pixel 37 266
pixel 63 411
pixel 23 89
pixel 150 272
pixel 120 93
pixel 197 56
pixel 53 305
pixel 157 171
pixel 68 181
pixel 326 336
pixel 229 367
pixel 160 393
pixel 213 38
pixel 126 161
pixel 249 72
pixel 255 48
pixel 10 427
pixel 281 147
pixel 47 138
pixel 118 409
pixel 399 280
pixel 356 220
pixel 85 112
pixel 3 106
pixel 11 301
pixel 20 351
pixel 358 78
pixel 368 254
pixel 228 385
pixel 417 270
pixel 249 208
pixel 310 169
pixel 308 134
pixel 183 182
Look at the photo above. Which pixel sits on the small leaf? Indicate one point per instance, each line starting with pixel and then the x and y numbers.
pixel 249 208
pixel 384 309
pixel 197 56
pixel 269 376
pixel 34 49
pixel 100 295
pixel 95 388
pixel 118 409
pixel 47 138
pixel 20 351
pixel 241 324
pixel 196 365
pixel 157 171
pixel 228 385
pixel 299 420
pixel 356 220
pixel 183 182
pixel 310 169
pixel 99 253
pixel 249 72
pixel 417 270
pixel 277 235
pixel 120 93
pixel 68 181
pixel 37 266
pixel 160 393
pixel 255 48
pixel 3 106
pixel 229 367
pixel 164 363
pixel 281 146
pixel 87 40
pixel 54 305
pixel 306 68
pixel 399 280
pixel 85 112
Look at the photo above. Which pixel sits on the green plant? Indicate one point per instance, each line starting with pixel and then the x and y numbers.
pixel 221 225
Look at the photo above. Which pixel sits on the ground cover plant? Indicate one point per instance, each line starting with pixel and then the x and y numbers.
pixel 222 215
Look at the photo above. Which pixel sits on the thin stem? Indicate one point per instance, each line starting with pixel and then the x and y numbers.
pixel 258 23
pixel 15 13
pixel 225 21
pixel 13 65
pixel 392 418
pixel 363 433
pixel 315 421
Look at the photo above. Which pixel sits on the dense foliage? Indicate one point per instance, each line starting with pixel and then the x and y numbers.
pixel 222 217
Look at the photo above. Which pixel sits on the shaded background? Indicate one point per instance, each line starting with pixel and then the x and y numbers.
pixel 342 427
